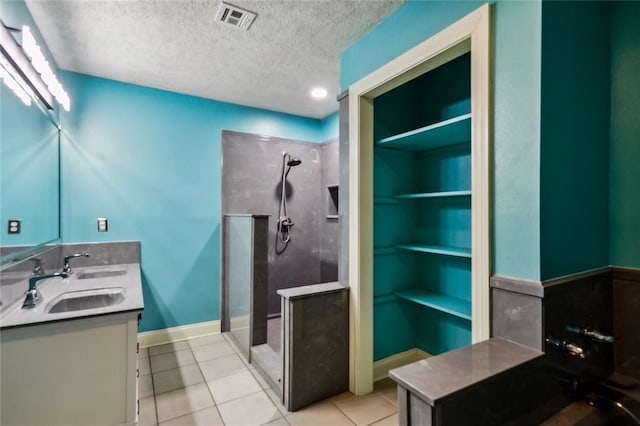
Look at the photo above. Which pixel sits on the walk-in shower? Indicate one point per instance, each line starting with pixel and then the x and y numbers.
pixel 284 221
pixel 262 198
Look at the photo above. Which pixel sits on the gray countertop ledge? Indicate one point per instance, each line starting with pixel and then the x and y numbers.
pixel 311 290
pixel 51 288
pixel 436 378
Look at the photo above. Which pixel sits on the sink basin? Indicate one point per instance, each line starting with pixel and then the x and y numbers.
pixel 86 299
pixel 101 274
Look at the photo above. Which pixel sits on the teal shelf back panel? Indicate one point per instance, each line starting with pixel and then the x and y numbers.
pixel 394 329
pixel 442 170
pixel 449 132
pixel 442 222
pixel 448 275
pixel 443 194
pixel 442 250
pixel 392 225
pixel 440 332
pixel 438 95
pixel 385 200
pixel 394 172
pixel 385 298
pixel 441 302
pixel 393 273
pixel 385 251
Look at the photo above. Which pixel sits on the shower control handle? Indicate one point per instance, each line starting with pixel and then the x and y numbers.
pixel 567 347
pixel 285 222
pixel 591 334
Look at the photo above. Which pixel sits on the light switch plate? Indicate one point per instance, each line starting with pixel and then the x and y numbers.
pixel 103 225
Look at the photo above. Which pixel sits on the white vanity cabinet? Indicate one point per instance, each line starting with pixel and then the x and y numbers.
pixel 72 372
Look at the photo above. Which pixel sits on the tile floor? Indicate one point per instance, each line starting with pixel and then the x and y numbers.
pixel 204 381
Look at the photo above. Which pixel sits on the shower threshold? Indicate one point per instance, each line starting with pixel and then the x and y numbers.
pixel 268 362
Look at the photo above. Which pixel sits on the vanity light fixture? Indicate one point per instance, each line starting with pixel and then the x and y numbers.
pixel 15 82
pixel 41 65
pixel 28 65
pixel 318 93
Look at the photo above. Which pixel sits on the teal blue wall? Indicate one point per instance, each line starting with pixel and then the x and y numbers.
pixel 149 161
pixel 329 127
pixel 411 24
pixel 516 139
pixel 574 180
pixel 516 98
pixel 625 135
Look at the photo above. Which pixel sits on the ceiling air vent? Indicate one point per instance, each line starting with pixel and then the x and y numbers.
pixel 233 15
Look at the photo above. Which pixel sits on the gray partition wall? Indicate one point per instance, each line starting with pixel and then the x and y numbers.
pixel 251 184
pixel 245 278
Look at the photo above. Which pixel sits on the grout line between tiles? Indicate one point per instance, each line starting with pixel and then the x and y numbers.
pixel 153 388
pixel 236 398
pixel 215 404
pixel 379 420
pixel 343 413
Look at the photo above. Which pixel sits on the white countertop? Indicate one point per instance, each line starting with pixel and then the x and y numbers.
pixel 51 288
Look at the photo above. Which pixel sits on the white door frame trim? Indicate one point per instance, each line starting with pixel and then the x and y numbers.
pixel 471 33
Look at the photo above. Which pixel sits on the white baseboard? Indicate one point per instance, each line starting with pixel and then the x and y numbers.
pixel 381 368
pixel 176 334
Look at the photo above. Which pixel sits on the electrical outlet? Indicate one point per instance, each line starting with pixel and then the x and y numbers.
pixel 13 226
pixel 103 225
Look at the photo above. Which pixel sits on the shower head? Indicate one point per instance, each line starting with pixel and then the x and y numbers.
pixel 289 160
pixel 294 161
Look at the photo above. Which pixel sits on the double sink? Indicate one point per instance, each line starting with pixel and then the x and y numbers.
pixel 88 291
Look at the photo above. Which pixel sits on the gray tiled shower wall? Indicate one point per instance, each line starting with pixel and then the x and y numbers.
pixel 251 183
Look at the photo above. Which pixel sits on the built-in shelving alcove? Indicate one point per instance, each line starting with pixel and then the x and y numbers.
pixel 422 212
pixel 418 207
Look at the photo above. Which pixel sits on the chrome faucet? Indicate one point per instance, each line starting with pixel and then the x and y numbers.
pixel 567 347
pixel 591 334
pixel 37 266
pixel 66 268
pixel 33 297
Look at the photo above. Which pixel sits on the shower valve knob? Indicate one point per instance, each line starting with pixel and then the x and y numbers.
pixel 285 222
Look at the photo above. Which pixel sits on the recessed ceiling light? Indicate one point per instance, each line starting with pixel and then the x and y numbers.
pixel 319 93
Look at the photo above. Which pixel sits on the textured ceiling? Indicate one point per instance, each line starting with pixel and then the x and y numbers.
pixel 175 45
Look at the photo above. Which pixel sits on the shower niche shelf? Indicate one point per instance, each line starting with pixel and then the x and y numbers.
pixel 332 202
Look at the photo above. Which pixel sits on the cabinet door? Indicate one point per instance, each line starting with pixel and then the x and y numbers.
pixel 75 372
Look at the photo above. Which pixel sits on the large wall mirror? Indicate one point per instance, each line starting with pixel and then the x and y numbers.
pixel 29 178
